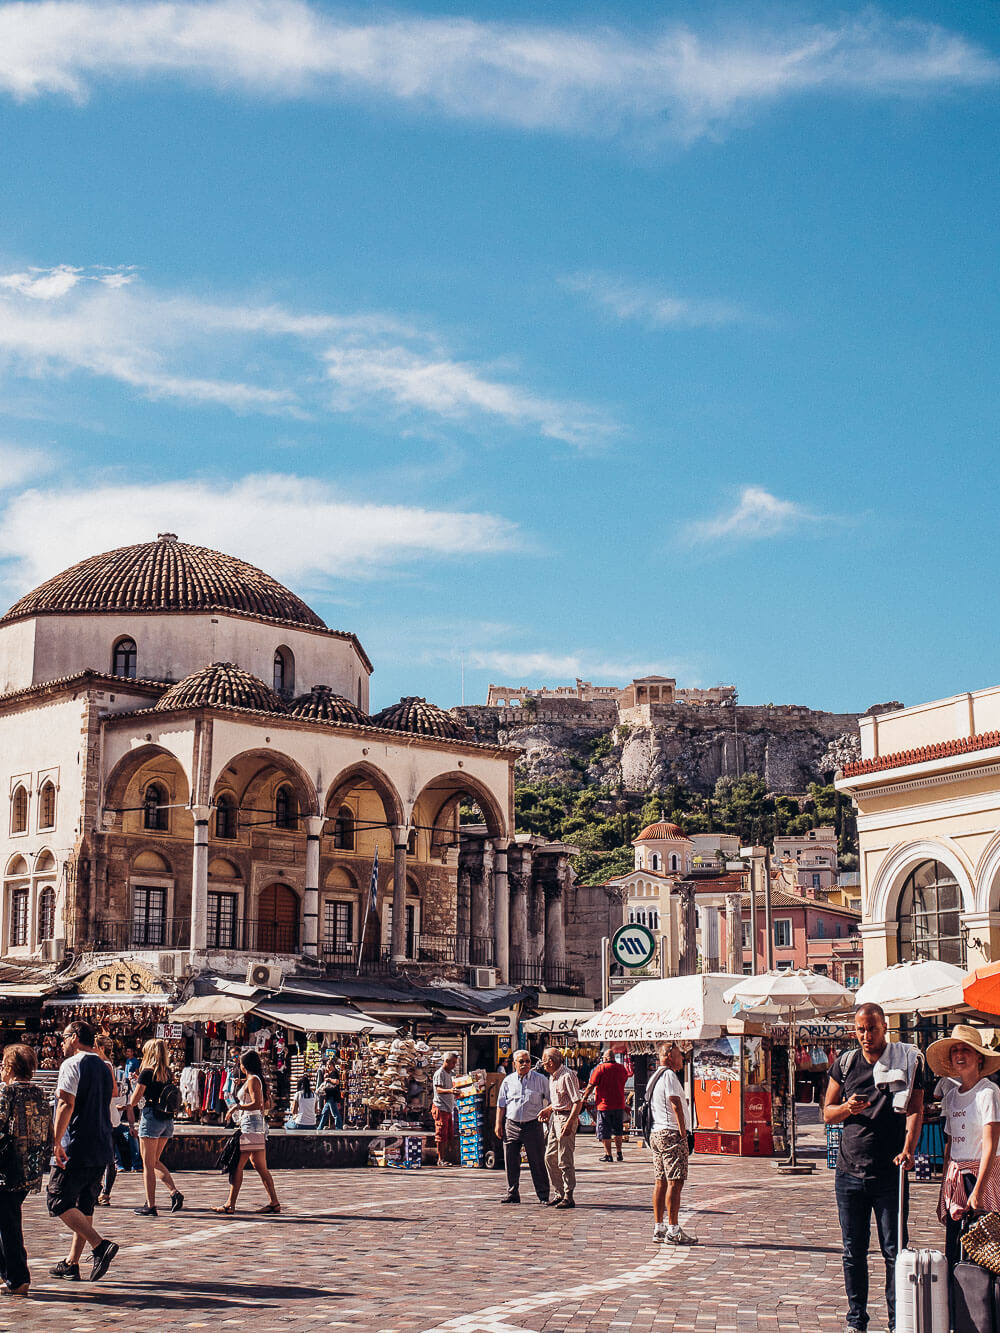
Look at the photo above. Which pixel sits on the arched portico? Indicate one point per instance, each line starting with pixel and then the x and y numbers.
pixel 948 910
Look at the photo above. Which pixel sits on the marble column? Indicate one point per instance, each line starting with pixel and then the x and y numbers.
pixel 518 913
pixel 398 949
pixel 687 941
pixel 501 913
pixel 199 879
pixel 710 939
pixel 310 907
pixel 734 933
pixel 555 927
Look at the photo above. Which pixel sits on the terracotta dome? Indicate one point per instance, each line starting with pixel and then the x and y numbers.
pixel 656 832
pixel 165 575
pixel 321 704
pixel 417 715
pixel 225 685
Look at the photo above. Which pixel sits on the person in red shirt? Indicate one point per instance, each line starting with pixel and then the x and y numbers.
pixel 608 1081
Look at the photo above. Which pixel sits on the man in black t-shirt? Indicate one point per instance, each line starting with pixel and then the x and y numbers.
pixel 877 1142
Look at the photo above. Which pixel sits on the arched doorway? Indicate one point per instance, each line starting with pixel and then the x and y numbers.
pixel 278 920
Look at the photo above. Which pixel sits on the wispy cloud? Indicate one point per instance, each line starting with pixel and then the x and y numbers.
pixel 549 669
pixel 111 324
pixel 20 464
pixel 755 516
pixel 297 528
pixel 645 305
pixel 595 80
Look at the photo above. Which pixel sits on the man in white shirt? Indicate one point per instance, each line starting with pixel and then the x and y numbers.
pixel 668 1141
pixel 522 1098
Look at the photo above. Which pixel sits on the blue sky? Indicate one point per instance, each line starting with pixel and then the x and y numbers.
pixel 589 339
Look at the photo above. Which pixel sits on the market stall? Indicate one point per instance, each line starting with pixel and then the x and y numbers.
pixel 123 1000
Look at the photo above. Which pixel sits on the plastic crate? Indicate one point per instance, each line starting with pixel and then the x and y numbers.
pixel 834 1133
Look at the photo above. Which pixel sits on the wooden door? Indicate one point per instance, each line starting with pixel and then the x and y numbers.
pixel 278 920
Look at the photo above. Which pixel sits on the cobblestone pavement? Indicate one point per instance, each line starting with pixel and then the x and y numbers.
pixel 431 1251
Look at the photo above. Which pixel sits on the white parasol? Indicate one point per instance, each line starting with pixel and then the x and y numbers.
pixel 792 994
pixel 688 1008
pixel 925 987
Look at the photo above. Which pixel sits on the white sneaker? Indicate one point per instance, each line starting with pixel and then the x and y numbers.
pixel 680 1237
pixel 660 1231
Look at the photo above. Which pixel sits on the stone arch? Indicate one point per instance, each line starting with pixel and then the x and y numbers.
pixel 357 775
pixel 16 867
pixel 263 765
pixel 221 868
pixel 45 862
pixel 127 769
pixel 341 878
pixel 988 877
pixel 451 787
pixel 149 862
pixel 883 904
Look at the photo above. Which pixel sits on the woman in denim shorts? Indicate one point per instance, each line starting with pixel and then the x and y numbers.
pixel 155 1127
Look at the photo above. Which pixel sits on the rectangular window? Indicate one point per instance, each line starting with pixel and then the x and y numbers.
pixel 815 882
pixel 746 934
pixel 149 917
pixel 18 918
pixel 222 909
pixel 783 933
pixel 338 921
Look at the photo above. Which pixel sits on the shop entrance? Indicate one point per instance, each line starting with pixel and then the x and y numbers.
pixel 278 920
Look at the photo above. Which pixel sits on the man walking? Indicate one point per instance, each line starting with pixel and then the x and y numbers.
pixel 522 1098
pixel 668 1141
pixel 875 1094
pixel 563 1113
pixel 443 1108
pixel 608 1081
pixel 82 1150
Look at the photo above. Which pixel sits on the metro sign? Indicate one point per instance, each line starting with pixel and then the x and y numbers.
pixel 633 946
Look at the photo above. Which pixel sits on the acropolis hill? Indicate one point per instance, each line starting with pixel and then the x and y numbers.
pixel 649 733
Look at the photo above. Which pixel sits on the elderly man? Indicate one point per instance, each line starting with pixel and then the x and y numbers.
pixel 875 1094
pixel 563 1114
pixel 668 1141
pixel 523 1096
pixel 443 1109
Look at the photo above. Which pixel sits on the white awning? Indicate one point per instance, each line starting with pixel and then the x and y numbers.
pixel 306 1018
pixel 21 991
pixel 211 1009
pixel 560 1020
pixel 687 1008
pixel 159 1000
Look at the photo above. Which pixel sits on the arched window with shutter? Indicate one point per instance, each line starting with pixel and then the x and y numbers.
pixel 124 658
pixel 155 814
pixel 47 806
pixel 225 817
pixel 343 830
pixel 19 810
pixel 286 814
pixel 47 913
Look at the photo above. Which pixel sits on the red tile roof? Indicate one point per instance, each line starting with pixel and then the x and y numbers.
pixel 988 740
pixel 652 832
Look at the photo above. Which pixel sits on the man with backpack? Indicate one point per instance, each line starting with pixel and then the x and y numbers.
pixel 664 1125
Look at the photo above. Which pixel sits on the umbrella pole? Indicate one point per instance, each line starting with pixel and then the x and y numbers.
pixel 792 1167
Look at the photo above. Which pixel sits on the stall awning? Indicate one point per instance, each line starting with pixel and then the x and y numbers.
pixel 158 1001
pixel 399 1012
pixel 211 1009
pixel 340 1022
pixel 18 991
pixel 687 1008
pixel 560 1020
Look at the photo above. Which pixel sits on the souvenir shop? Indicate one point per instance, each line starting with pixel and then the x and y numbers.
pixel 21 1019
pixel 122 1000
pixel 817 1045
pixel 559 1029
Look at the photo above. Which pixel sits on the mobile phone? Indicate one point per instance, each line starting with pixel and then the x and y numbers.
pixel 969 1182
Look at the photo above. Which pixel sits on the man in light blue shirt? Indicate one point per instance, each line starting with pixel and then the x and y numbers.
pixel 523 1095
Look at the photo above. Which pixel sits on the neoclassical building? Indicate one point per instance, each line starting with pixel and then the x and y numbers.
pixel 192 773
pixel 927 792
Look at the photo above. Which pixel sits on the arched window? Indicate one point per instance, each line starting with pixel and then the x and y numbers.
pixel 285 813
pixel 47 913
pixel 225 817
pixel 123 658
pixel 19 810
pixel 47 806
pixel 655 861
pixel 673 863
pixel 155 815
pixel 411 843
pixel 930 908
pixel 284 671
pixel 343 830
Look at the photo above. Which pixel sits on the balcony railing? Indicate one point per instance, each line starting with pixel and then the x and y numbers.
pixel 545 974
pixel 171 932
pixel 340 959
pixel 466 951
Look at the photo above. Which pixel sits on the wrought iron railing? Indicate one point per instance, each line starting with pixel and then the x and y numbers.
pixel 465 950
pixel 551 975
pixel 169 932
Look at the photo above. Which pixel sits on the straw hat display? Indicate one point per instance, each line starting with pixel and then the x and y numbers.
pixel 391 1071
pixel 939 1052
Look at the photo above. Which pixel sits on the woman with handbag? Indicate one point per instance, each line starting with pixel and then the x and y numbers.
pixel 251 1103
pixel 25 1149
pixel 160 1097
pixel 971 1107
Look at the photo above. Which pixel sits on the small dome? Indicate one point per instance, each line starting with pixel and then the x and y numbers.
pixel 417 715
pixel 662 832
pixel 225 685
pixel 321 704
pixel 165 575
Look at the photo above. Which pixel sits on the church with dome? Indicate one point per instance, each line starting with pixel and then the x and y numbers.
pixel 194 778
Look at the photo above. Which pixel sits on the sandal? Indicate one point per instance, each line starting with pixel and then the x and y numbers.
pixel 225 1208
pixel 269 1208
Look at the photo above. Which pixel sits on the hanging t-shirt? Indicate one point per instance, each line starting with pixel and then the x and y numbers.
pixel 87 1079
pixel 965 1115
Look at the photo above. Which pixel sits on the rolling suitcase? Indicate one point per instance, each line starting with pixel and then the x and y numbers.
pixel 921 1285
pixel 972 1299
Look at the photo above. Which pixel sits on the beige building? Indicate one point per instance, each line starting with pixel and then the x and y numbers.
pixel 813 855
pixel 927 792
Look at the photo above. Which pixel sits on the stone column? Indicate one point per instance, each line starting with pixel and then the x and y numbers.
pixel 199 879
pixel 518 915
pixel 687 942
pixel 398 950
pixel 501 913
pixel 710 939
pixel 480 915
pixel 310 907
pixel 734 933
pixel 555 927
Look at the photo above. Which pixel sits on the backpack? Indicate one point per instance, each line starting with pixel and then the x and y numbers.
pixel 646 1109
pixel 169 1101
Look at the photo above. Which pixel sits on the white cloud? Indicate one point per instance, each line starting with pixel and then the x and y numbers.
pixel 590 80
pixel 550 669
pixel 645 305
pixel 20 464
pixel 297 528
pixel 756 515
pixel 110 324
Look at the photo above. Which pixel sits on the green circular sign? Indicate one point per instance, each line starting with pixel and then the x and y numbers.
pixel 633 945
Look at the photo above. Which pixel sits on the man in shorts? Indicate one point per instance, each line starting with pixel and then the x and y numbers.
pixel 443 1109
pixel 83 1150
pixel 668 1141
pixel 608 1081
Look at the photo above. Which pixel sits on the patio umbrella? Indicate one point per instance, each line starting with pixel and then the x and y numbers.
pixel 925 987
pixel 981 988
pixel 790 995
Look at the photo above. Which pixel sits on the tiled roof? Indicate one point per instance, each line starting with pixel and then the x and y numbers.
pixel 321 704
pixel 654 832
pixel 225 685
pixel 165 575
pixel 88 677
pixel 781 898
pixel 417 715
pixel 988 740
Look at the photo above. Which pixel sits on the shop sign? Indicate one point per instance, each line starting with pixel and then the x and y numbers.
pixel 620 985
pixel 633 945
pixel 170 1031
pixel 121 978
pixel 491 1027
pixel 504 1048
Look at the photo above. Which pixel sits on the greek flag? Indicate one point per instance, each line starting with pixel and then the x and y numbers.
pixel 373 890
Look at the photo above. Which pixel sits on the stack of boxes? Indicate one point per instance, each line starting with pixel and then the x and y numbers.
pixel 405 1153
pixel 470 1099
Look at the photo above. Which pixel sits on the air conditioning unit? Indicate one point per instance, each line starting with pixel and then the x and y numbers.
pixel 265 976
pixel 484 978
pixel 53 950
pixel 166 964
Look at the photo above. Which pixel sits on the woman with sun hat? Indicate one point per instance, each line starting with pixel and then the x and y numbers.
pixel 971 1107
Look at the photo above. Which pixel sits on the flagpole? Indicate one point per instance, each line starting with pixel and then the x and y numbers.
pixel 372 891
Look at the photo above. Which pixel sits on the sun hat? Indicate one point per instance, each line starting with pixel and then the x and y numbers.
pixel 939 1052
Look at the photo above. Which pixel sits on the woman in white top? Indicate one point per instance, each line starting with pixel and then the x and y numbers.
pixel 251 1103
pixel 303 1109
pixel 971 1106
